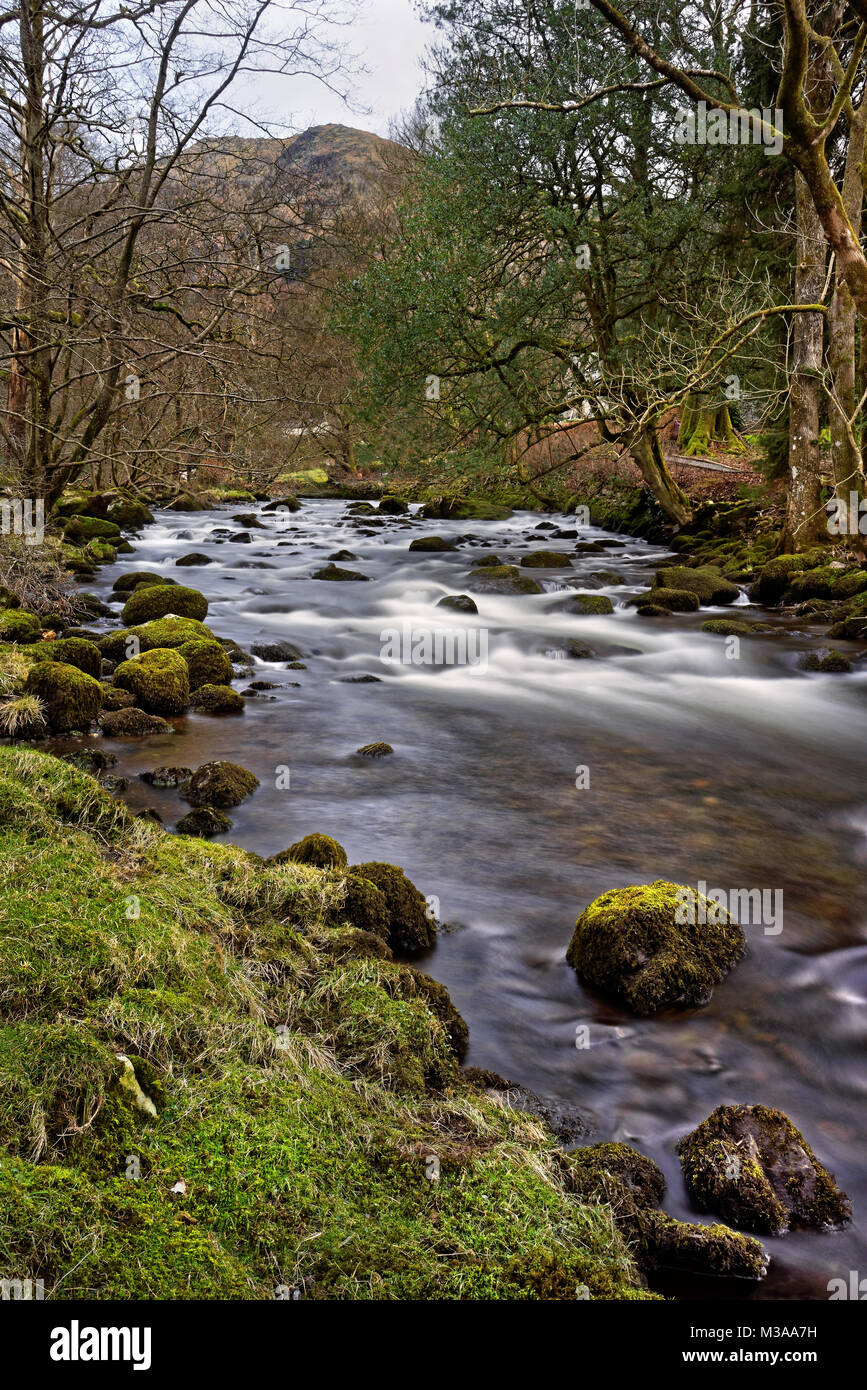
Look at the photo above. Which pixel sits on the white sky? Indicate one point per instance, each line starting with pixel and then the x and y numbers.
pixel 388 39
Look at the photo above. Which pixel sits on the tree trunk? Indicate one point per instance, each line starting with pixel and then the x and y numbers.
pixel 703 424
pixel 806 521
pixel 846 460
pixel 647 453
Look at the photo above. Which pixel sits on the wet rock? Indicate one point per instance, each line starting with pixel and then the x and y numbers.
pixel 290 504
pixel 751 1166
pixel 547 559
pixel 431 543
pixel 320 851
pixel 204 823
pixel 217 699
pixel 70 699
pixel 708 584
pixel 459 603
pixel 114 698
pixel 158 679
pixel 241 537
pixel 343 555
pixel 134 579
pixel 410 925
pixel 195 558
pixel 728 627
pixel 249 519
pixel 132 723
pixel 276 650
pixel 827 661
pixel 668 600
pixel 375 750
pixel 256 686
pixel 220 784
pixel 651 610
pixel 393 506
pixel 583 605
pixel 167 776
pixel 145 604
pixel 360 680
pixel 502 579
pixel 333 572
pixel 563 1118
pixel 634 944
pixel 208 662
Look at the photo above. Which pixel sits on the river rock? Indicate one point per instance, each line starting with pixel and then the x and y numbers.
pixel 220 784
pixel 459 603
pixel 277 650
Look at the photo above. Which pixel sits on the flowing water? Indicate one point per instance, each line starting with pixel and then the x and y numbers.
pixel 739 771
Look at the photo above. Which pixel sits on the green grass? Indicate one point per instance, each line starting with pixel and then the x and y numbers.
pixel 297 1096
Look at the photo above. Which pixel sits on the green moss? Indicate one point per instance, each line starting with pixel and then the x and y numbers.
pixel 501 579
pixel 18 625
pixel 135 579
pixel 410 924
pixel 776 574
pixel 81 529
pixel 73 651
pixel 669 600
pixel 586 604
pixel 708 584
pixel 217 699
pixel 751 1166
pixel 164 632
pixel 207 662
pixel 319 850
pixel 824 582
pixel 72 699
pixel 547 559
pixel 363 905
pixel 220 784
pixel 728 627
pixel 154 601
pixel 393 506
pixel 431 543
pixel 634 944
pixel 158 679
pixel 831 661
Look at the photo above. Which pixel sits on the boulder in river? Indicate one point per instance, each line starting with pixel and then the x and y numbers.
pixel 639 945
pixel 320 851
pixel 751 1166
pixel 167 776
pixel 375 750
pixel 459 603
pixel 220 784
pixel 547 560
pixel 411 927
pixel 134 579
pixel 666 600
pixel 158 679
pixel 393 506
pixel 828 661
pixel 340 576
pixel 132 723
pixel 708 584
pixel 195 557
pixel 207 661
pixel 163 632
pixel 217 699
pixel 502 579
pixel 431 543
pixel 204 822
pixel 585 605
pixel 279 504
pixel 153 601
pixel 277 650
pixel 728 627
pixel 70 698
pixel 74 651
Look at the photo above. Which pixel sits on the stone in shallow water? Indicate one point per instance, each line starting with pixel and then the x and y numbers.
pixel 375 750
pixel 278 650
pixel 167 776
pixel 205 823
pixel 333 572
pixel 460 603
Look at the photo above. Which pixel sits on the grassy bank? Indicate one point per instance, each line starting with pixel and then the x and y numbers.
pixel 291 1077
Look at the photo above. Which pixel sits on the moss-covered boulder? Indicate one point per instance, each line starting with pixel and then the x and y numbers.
pixel 156 600
pixel 20 626
pixel 339 576
pixel 546 560
pixel 217 699
pixel 132 722
pixel 164 632
pixel 158 679
pixel 776 575
pixel 375 750
pixel 71 699
pixel 393 506
pixel 826 582
pixel 81 529
pixel 831 662
pixel 129 513
pixel 114 698
pixel 632 1187
pixel 74 651
pixel 585 605
pixel 220 784
pixel 363 905
pixel 135 579
pixel 729 627
pixel 320 851
pixel 667 600
pixel 706 582
pixel 657 946
pixel 289 504
pixel 207 662
pixel 501 579
pixel 205 822
pixel 100 552
pixel 751 1166
pixel 411 927
pixel 464 509
pixel 459 603
pixel 432 544
pixel 194 560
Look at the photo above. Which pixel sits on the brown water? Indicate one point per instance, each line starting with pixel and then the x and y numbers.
pixel 742 773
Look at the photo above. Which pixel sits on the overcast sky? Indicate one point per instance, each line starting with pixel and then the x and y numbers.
pixel 388 39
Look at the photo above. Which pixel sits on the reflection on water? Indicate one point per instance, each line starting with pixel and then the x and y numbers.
pixel 744 773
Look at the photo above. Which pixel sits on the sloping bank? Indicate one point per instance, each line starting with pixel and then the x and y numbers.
pixel 291 1114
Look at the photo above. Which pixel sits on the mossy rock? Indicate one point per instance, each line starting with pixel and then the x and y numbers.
pixel 351 943
pixel 81 529
pixel 393 506
pixel 192 502
pixel 158 679
pixel 167 776
pixel 375 750
pixel 164 632
pixel 338 575
pixel 651 610
pixel 831 662
pixel 440 1003
pixel 132 722
pixel 410 925
pixel 129 513
pixel 220 784
pixel 364 906
pixel 205 822
pixel 547 560
pixel 634 944
pixel 640 1174
pixel 113 699
pixel 459 603
pixel 217 699
pixel 73 651
pixel 195 559
pixel 775 576
pixel 502 579
pixel 100 552
pixel 825 582
pixel 154 601
pixel 20 626
pixel 585 605
pixel 852 629
pixel 136 579
pixel 72 699
pixel 465 509
pixel 751 1166
pixel 669 600
pixel 707 583
pixel 320 851
pixel 207 661
pixel 431 543
pixel 289 504
pixel 728 627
